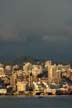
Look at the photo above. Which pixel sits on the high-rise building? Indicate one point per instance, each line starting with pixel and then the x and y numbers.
pixel 48 64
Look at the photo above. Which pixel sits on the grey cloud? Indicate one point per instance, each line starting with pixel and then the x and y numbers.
pixel 68 18
pixel 35 27
pixel 54 38
pixel 42 17
pixel 8 33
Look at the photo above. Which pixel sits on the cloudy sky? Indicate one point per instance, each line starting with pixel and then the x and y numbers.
pixel 41 28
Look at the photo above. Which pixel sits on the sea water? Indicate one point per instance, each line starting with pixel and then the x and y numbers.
pixel 36 102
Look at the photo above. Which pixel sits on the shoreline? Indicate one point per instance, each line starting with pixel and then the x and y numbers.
pixel 23 96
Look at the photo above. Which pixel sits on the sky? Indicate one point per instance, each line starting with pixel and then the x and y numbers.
pixel 39 28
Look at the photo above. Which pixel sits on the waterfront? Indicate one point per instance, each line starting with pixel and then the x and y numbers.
pixel 36 102
pixel 43 78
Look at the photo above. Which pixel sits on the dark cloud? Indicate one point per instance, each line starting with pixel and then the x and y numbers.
pixel 36 27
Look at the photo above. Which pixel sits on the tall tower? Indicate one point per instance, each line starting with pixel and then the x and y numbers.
pixel 49 69
pixel 49 72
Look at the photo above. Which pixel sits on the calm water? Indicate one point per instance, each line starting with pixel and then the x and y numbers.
pixel 35 102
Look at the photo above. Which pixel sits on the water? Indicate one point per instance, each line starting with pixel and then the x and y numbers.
pixel 36 102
